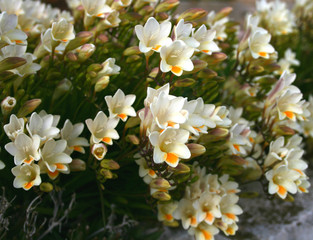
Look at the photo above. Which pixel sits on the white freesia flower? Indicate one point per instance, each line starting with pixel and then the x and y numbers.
pixel 282 180
pixel 24 149
pixel 238 139
pixel 95 8
pixel 182 31
pixel 54 158
pixel 99 150
pixel 11 7
pixel 155 93
pixel 120 105
pixel 152 35
pixel 175 57
pixel 204 231
pixel 230 209
pixel 7 105
pixel 71 133
pixel 109 68
pixel 62 31
pixel 259 44
pixel 9 32
pixel 205 38
pixel 220 116
pixel 14 127
pixel 144 171
pixel 186 213
pixel 166 210
pixel 169 146
pixel 26 176
pixel 102 128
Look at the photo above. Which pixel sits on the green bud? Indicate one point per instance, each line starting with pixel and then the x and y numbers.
pixel 180 169
pixel 71 57
pixel 132 122
pixel 134 50
pixel 80 39
pixel 146 10
pixel 46 187
pixel 198 65
pixel 11 63
pixel 96 67
pixel 166 5
pixel 162 196
pixel 133 139
pixel 207 74
pixel 215 58
pixel 85 52
pixel 192 14
pixel 133 58
pixel 184 82
pixel 160 183
pixel 161 16
pixel 109 164
pixel 28 107
pixel 223 13
pixel 102 83
pixel 106 173
pixel 196 149
pixel 284 130
pixel 77 165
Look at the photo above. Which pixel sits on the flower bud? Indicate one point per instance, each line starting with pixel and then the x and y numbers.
pixel 71 56
pixel 180 169
pixel 166 5
pixel 2 165
pixel 146 10
pixel 160 183
pixel 219 132
pixel 133 139
pixel 80 39
pixel 133 58
pixel 11 63
pixel 102 83
pixel 215 58
pixel 99 150
pixel 198 65
pixel 162 16
pixel 220 224
pixel 207 74
pixel 284 130
pixel 134 50
pixel 154 72
pixel 196 149
pixel 109 164
pixel 28 107
pixel 192 14
pixel 184 82
pixel 96 67
pixel 106 173
pixel 162 196
pixel 132 122
pixel 77 165
pixel 86 51
pixel 46 187
pixel 63 87
pixel 171 224
pixel 7 105
pixel 223 13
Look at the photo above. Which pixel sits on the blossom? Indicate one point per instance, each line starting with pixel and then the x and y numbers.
pixel 102 128
pixel 259 44
pixel 152 35
pixel 7 105
pixel 169 146
pixel 62 31
pixel 26 176
pixel 99 150
pixel 95 8
pixel 277 152
pixel 186 213
pixel 155 93
pixel 205 38
pixel 71 133
pixel 109 68
pixel 282 180
pixel 54 158
pixel 230 209
pixel 175 57
pixel 8 31
pixel 238 139
pixel 182 31
pixel 165 211
pixel 24 149
pixel 144 171
pixel 14 127
pixel 204 231
pixel 120 105
pixel 11 7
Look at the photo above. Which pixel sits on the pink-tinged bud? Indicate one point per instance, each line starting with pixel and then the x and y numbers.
pixel 77 165
pixel 216 58
pixel 71 57
pixel 103 38
pixel 180 169
pixel 133 139
pixel 284 130
pixel 134 50
pixel 184 82
pixel 166 5
pixel 160 183
pixel 86 51
pixel 220 224
pixel 162 196
pixel 46 187
pixel 162 16
pixel 196 149
pixel 11 63
pixel 223 13
pixel 198 65
pixel 99 150
pixel 7 105
pixel 219 132
pixel 146 10
pixel 80 39
pixel 192 14
pixel 207 74
pixel 63 87
pixel 109 164
pixel 102 83
pixel 28 107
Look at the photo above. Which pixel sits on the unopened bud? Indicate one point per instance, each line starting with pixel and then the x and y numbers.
pixel 102 83
pixel 160 183
pixel 132 122
pixel 28 107
pixel 96 67
pixel 11 63
pixel 99 150
pixel 223 13
pixel 46 187
pixel 106 173
pixel 198 65
pixel 133 58
pixel 7 105
pixel 207 74
pixel 103 38
pixel 63 87
pixel 133 139
pixel 256 69
pixel 216 58
pixel 77 165
pixel 166 5
pixel 171 224
pixel 162 16
pixel 193 14
pixel 184 82
pixel 180 169
pixel 109 164
pixel 219 132
pixel 154 72
pixel 284 130
pixel 162 196
pixel 71 57
pixel 80 39
pixel 146 10
pixel 196 149
pixel 134 50
pixel 86 51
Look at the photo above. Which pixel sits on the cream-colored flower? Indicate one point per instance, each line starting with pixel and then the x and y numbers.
pixel 169 146
pixel 14 127
pixel 95 8
pixel 155 93
pixel 152 35
pixel 205 38
pixel 26 176
pixel 259 44
pixel 12 7
pixel 186 213
pixel 99 150
pixel 175 57
pixel 120 105
pixel 54 158
pixel 62 31
pixel 102 129
pixel 24 149
pixel 144 171
pixel 71 133
pixel 9 32
pixel 230 209
pixel 111 20
pixel 182 31
pixel 204 231
pixel 109 68
pixel 165 211
pixel 7 105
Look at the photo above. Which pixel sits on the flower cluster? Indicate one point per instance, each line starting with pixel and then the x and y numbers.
pixel 39 147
